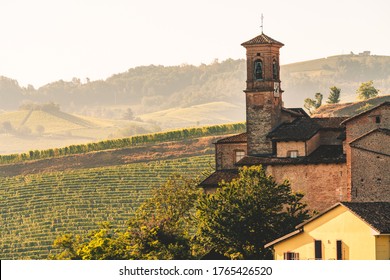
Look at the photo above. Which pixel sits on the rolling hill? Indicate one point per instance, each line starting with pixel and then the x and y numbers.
pixel 25 130
pixel 151 89
pixel 37 208
pixel 41 199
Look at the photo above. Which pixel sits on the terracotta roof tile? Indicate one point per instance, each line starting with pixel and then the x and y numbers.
pixel 386 103
pixel 296 111
pixel 239 138
pixel 218 176
pixel 261 39
pixel 304 128
pixel 377 214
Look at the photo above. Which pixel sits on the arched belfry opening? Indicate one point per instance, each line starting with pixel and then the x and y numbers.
pixel 275 70
pixel 258 70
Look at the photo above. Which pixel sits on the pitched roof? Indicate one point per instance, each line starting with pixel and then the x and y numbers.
pixel 304 128
pixel 296 112
pixel 213 180
pixel 323 154
pixel 239 138
pixel 375 214
pixel 261 39
pixel 386 103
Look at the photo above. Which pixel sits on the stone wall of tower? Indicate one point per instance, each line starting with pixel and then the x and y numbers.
pixel 263 106
pixel 262 115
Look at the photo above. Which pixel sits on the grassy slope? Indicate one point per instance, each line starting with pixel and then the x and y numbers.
pixel 303 79
pixel 60 129
pixel 204 114
pixel 36 208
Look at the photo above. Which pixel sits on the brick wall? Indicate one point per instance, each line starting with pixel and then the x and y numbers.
pixel 361 125
pixel 367 122
pixel 322 184
pixel 225 154
pixel 370 168
pixel 282 148
pixel 262 115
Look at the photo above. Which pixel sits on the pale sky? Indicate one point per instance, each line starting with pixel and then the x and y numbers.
pixel 47 40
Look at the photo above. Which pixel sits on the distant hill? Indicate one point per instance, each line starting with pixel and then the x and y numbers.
pixel 204 114
pixel 150 89
pixel 304 79
pixel 25 130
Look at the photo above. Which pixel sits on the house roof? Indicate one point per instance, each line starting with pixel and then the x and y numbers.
pixel 215 178
pixel 296 112
pixel 386 103
pixel 261 39
pixel 348 109
pixel 323 154
pixel 284 237
pixel 239 138
pixel 303 129
pixel 375 214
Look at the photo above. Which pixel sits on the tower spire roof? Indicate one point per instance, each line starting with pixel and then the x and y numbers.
pixel 261 39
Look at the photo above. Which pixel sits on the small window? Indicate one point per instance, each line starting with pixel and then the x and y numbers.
pixel 239 155
pixel 292 154
pixel 318 249
pixel 291 256
pixel 339 248
pixel 378 119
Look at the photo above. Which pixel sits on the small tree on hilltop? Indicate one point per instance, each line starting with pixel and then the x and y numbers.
pixel 245 214
pixel 367 91
pixel 334 95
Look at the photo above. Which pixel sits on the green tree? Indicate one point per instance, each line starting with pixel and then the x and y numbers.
pixel 312 104
pixel 163 224
pixel 367 90
pixel 245 214
pixel 334 95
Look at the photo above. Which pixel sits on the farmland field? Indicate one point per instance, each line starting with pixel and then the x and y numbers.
pixel 36 208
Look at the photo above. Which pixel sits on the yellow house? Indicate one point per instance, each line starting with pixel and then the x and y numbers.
pixel 346 231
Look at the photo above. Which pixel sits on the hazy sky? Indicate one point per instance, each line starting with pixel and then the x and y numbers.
pixel 46 40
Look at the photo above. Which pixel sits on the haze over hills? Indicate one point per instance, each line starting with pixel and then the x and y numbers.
pixel 152 98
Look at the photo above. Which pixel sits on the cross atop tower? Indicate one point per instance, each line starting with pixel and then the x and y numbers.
pixel 261 26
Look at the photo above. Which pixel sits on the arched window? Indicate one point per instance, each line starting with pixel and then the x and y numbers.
pixel 258 70
pixel 275 70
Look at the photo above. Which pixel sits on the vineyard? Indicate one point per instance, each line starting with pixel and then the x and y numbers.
pixel 36 208
pixel 175 135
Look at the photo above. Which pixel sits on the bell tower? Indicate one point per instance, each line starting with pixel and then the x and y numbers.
pixel 263 92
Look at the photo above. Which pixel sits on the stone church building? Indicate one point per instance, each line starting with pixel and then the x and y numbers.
pixel 329 159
